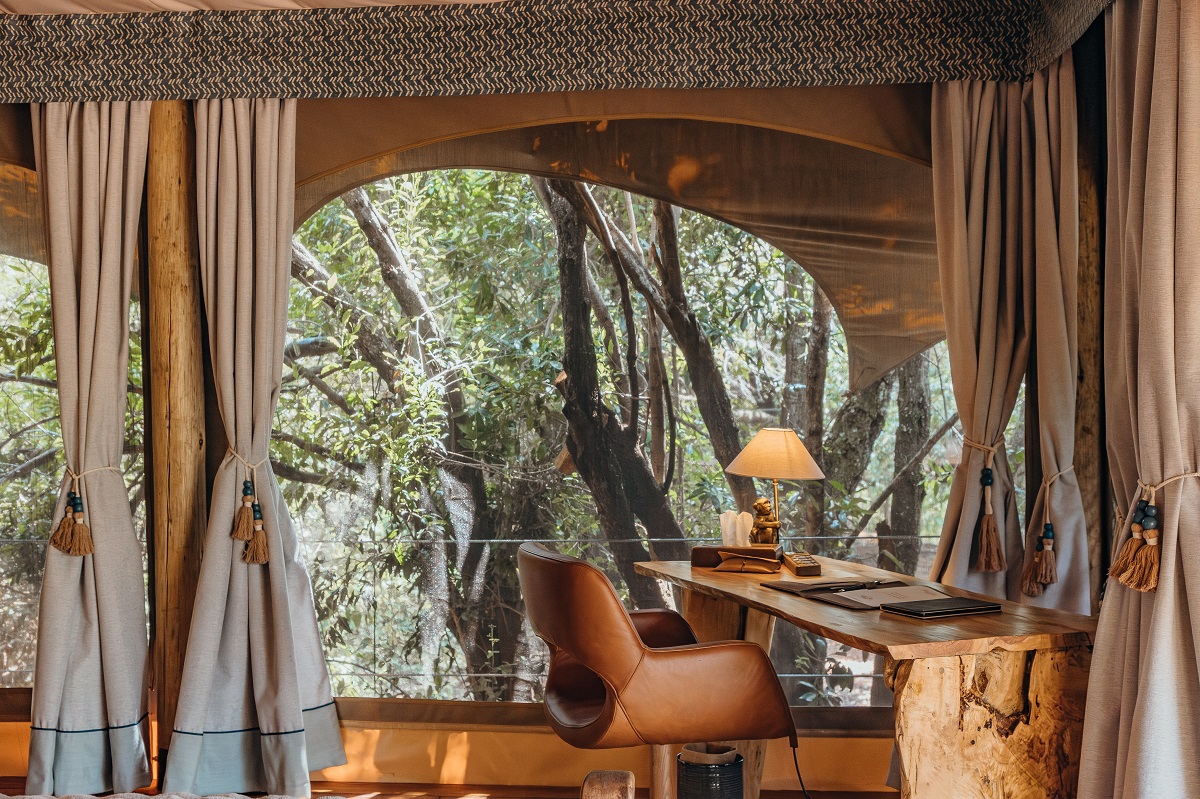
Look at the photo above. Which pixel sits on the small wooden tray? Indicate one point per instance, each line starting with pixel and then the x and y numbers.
pixel 708 556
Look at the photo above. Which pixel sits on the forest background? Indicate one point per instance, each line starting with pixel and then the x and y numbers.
pixel 477 359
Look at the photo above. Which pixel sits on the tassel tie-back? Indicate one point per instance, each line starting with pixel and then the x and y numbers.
pixel 991 549
pixel 1136 564
pixel 73 536
pixel 1041 567
pixel 248 521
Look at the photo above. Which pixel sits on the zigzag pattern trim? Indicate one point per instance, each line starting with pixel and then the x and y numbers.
pixel 519 46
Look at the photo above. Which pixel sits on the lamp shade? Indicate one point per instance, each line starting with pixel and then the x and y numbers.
pixel 778 454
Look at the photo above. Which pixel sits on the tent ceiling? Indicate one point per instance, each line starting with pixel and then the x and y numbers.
pixel 835 177
pixel 333 135
pixel 861 223
pixel 157 49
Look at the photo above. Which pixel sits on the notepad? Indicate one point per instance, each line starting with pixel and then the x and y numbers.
pixel 872 598
pixel 846 594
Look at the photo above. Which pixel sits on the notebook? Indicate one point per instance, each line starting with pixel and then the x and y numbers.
pixel 938 608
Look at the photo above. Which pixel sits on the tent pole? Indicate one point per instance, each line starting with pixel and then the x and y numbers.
pixel 175 416
pixel 1091 456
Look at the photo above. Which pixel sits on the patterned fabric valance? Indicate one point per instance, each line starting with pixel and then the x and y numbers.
pixel 514 46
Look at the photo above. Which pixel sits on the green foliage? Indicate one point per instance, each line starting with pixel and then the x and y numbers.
pixel 377 492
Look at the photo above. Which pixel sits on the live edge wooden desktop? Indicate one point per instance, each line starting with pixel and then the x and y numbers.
pixel 985 706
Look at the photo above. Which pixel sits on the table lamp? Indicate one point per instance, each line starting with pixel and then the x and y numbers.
pixel 776 454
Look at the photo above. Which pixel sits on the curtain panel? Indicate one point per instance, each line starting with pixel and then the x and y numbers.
pixel 1141 738
pixel 255 710
pixel 89 726
pixel 1055 571
pixel 1006 211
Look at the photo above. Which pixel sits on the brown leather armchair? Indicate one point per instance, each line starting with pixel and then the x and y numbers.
pixel 624 679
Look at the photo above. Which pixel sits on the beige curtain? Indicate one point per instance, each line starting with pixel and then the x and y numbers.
pixel 977 179
pixel 1141 737
pixel 89 703
pixel 1006 211
pixel 1050 227
pixel 255 709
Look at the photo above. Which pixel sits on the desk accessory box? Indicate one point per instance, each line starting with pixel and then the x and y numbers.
pixel 709 556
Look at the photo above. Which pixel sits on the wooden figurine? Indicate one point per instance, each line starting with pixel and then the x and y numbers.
pixel 766 525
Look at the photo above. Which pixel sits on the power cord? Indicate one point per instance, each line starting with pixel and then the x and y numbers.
pixel 796 763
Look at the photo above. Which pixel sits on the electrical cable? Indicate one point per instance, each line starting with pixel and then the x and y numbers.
pixel 796 763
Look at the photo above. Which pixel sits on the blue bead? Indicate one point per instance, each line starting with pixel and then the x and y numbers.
pixel 1142 504
pixel 1138 517
pixel 257 512
pixel 1040 546
pixel 1152 511
pixel 1049 534
pixel 986 472
pixel 1150 523
pixel 70 496
pixel 986 481
pixel 77 504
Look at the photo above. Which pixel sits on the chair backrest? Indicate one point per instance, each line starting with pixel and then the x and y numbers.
pixel 572 606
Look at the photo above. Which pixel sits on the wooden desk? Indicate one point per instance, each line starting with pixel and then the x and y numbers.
pixel 986 706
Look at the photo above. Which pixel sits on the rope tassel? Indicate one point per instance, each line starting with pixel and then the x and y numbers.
pixel 1129 549
pixel 256 548
pixel 248 519
pixel 243 519
pixel 1142 572
pixel 83 534
pixel 1047 564
pixel 73 536
pixel 64 535
pixel 1041 570
pixel 1030 585
pixel 991 547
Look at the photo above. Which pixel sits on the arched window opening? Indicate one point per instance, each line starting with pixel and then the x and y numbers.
pixel 420 437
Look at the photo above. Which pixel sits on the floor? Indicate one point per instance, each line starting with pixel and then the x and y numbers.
pixel 354 790
pixel 13 786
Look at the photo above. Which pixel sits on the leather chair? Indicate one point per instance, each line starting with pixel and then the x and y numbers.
pixel 624 679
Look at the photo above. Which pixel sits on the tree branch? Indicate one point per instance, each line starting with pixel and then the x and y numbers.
pixel 33 464
pixel 874 507
pixel 317 449
pixel 289 472
pixel 309 347
pixel 320 385
pixel 371 342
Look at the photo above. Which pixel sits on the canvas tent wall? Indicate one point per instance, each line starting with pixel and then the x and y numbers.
pixel 518 48
pixel 837 178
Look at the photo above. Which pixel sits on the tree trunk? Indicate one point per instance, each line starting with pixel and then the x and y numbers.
pixel 708 384
pixel 900 551
pixel 590 444
pixel 791 398
pixel 656 400
pixel 816 362
pixel 667 300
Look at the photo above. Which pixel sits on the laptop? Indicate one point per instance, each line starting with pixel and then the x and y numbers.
pixel 939 608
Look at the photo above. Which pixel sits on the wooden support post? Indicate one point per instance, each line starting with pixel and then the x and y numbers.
pixel 1091 457
pixel 175 416
pixel 1001 724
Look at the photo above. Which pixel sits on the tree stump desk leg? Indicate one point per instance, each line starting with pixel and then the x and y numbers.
pixel 1002 724
pixel 715 619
